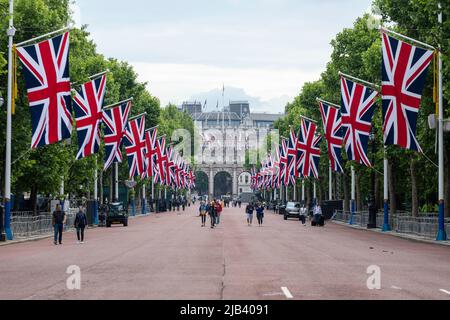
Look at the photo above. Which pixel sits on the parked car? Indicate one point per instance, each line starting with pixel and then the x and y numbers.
pixel 292 210
pixel 116 214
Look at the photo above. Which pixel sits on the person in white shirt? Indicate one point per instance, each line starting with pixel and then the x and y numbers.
pixel 317 214
pixel 303 215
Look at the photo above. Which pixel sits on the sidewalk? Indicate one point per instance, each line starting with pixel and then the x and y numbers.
pixel 50 235
pixel 407 236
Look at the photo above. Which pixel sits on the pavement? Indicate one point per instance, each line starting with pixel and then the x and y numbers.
pixel 169 256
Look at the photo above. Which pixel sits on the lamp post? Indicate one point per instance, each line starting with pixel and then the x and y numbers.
pixel 372 203
pixel 2 231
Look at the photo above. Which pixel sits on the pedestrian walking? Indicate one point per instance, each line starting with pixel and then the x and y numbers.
pixel 202 211
pixel 303 215
pixel 218 212
pixel 260 214
pixel 184 204
pixel 318 216
pixel 58 221
pixel 80 224
pixel 249 212
pixel 239 203
pixel 212 214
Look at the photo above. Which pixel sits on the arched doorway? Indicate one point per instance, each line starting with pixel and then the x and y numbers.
pixel 223 184
pixel 201 183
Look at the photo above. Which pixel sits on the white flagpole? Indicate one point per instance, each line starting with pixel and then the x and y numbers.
pixel 330 183
pixel 116 181
pixel 95 193
pixel 303 191
pixel 353 203
pixel 386 226
pixel 11 32
pixel 442 235
pixel 315 193
pixel 295 190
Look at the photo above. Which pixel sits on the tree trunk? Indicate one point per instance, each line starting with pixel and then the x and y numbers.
pixel 111 184
pixel 33 199
pixel 346 192
pixel 392 197
pixel 414 198
pixel 358 191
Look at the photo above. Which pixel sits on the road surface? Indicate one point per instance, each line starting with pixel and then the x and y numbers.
pixel 169 256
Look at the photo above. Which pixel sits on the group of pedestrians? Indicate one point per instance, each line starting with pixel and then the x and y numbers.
pixel 249 211
pixel 213 209
pixel 59 219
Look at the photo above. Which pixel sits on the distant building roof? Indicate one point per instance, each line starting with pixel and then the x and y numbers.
pixel 266 116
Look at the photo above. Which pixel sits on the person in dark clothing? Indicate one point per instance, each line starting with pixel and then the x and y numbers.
pixel 239 203
pixel 184 203
pixel 150 201
pixel 58 221
pixel 249 212
pixel 260 214
pixel 212 214
pixel 80 224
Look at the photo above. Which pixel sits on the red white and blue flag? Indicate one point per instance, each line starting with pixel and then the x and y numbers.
pixel 88 102
pixel 134 141
pixel 150 147
pixel 161 159
pixel 357 110
pixel 405 69
pixel 115 120
pixel 170 167
pixel 332 123
pixel 292 156
pixel 284 164
pixel 46 71
pixel 308 146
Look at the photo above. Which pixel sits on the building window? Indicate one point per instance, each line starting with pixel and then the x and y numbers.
pixel 246 179
pixel 240 190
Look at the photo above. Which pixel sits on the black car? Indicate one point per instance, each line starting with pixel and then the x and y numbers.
pixel 116 214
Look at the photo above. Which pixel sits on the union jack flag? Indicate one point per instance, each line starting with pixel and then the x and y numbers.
pixel 134 141
pixel 357 109
pixel 308 146
pixel 88 102
pixel 292 156
pixel 253 178
pixel 405 68
pixel 150 147
pixel 46 71
pixel 161 159
pixel 332 124
pixel 115 120
pixel 284 176
pixel 170 166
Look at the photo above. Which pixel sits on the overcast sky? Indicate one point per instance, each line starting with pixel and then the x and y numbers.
pixel 263 49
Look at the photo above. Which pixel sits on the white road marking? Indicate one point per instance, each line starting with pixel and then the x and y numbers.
pixel 273 294
pixel 396 288
pixel 445 291
pixel 287 293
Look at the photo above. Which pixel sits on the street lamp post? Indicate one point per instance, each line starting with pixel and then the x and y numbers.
pixel 372 202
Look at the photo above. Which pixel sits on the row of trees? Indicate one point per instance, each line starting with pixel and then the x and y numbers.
pixel 41 171
pixel 357 51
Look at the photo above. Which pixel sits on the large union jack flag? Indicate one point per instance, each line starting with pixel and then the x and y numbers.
pixel 283 175
pixel 308 146
pixel 46 71
pixel 332 123
pixel 405 69
pixel 88 102
pixel 115 120
pixel 357 110
pixel 150 147
pixel 134 141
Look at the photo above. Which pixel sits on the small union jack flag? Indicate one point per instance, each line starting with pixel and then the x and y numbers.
pixel 161 159
pixel 405 70
pixel 88 102
pixel 308 147
pixel 357 110
pixel 46 71
pixel 150 147
pixel 115 120
pixel 170 166
pixel 134 141
pixel 292 155
pixel 332 123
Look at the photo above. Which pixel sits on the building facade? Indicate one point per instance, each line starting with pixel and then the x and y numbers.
pixel 224 144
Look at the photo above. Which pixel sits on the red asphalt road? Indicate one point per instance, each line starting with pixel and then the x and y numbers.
pixel 169 256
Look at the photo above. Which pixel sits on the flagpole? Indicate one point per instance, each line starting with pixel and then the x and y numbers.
pixel 116 181
pixel 118 103
pixel 315 193
pixel 386 226
pixel 42 36
pixel 329 103
pixel 330 183
pixel 11 32
pixel 352 204
pixel 95 193
pixel 303 191
pixel 370 84
pixel 442 235
pixel 410 39
pixel 295 190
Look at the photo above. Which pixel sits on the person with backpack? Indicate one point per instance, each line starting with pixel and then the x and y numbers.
pixel 249 212
pixel 58 221
pixel 80 224
pixel 219 208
